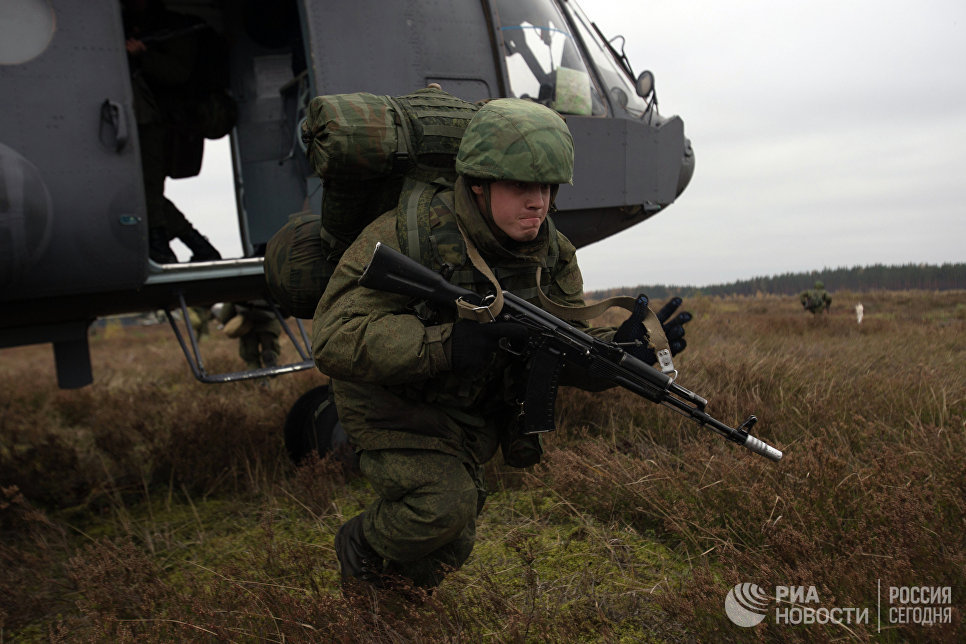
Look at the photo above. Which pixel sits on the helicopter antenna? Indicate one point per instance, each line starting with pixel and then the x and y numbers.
pixel 621 57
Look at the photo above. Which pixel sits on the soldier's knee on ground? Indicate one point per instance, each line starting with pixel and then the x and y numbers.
pixel 453 510
pixel 427 500
pixel 420 524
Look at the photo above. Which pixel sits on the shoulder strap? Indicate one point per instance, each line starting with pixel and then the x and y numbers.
pixel 412 225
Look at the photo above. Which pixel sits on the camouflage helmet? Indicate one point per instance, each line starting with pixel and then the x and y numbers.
pixel 819 284
pixel 517 140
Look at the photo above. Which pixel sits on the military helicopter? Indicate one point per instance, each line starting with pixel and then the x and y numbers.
pixel 73 221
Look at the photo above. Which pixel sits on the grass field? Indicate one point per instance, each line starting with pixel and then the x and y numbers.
pixel 150 507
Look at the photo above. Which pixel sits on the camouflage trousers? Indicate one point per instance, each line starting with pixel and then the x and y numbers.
pixel 162 213
pixel 424 521
pixel 260 346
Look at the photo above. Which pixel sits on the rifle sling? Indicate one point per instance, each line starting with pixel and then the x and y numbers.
pixel 481 313
pixel 655 332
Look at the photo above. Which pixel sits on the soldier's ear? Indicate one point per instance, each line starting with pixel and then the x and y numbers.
pixel 477 189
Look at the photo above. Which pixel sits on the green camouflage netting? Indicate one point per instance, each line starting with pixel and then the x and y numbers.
pixel 350 136
pixel 296 268
pixel 362 146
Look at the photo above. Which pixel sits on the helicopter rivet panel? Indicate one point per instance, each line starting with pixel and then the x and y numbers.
pixel 624 162
pixel 402 46
pixel 84 230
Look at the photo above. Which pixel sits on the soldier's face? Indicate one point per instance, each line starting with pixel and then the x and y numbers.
pixel 518 207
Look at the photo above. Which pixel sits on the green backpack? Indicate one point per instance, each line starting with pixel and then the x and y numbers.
pixel 363 147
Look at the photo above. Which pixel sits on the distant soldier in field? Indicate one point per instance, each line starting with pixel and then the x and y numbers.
pixel 816 299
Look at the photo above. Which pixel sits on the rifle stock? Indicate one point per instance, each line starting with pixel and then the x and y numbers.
pixel 389 270
pixel 553 343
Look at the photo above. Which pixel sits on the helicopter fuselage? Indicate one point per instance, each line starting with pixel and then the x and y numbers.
pixel 73 217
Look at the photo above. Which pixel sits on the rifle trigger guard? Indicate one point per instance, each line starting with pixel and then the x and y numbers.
pixel 506 345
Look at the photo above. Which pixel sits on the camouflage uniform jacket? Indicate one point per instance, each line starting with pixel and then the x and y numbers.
pixel 816 299
pixel 387 359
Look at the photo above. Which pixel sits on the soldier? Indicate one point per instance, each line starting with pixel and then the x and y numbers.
pixel 199 317
pixel 170 91
pixel 257 329
pixel 816 299
pixel 423 397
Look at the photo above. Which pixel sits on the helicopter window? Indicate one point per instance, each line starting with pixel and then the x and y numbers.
pixel 543 60
pixel 26 29
pixel 620 88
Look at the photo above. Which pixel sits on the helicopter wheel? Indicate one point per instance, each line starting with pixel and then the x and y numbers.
pixel 313 424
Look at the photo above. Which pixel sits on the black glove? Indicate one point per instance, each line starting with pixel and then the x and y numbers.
pixel 674 327
pixel 472 344
pixel 633 330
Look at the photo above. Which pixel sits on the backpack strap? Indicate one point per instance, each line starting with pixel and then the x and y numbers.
pixel 336 247
pixel 402 142
pixel 412 223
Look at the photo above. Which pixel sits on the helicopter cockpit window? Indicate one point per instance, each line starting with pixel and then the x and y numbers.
pixel 543 60
pixel 620 88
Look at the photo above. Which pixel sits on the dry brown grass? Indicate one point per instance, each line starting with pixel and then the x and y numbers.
pixel 149 507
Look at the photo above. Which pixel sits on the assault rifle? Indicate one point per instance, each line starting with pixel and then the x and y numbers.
pixel 552 343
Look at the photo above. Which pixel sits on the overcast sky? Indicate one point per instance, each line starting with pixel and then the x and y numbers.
pixel 826 133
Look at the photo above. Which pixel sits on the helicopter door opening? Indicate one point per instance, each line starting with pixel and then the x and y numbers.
pixel 252 179
pixel 209 202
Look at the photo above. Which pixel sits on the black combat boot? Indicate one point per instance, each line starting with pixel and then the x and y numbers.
pixel 201 248
pixel 357 559
pixel 158 248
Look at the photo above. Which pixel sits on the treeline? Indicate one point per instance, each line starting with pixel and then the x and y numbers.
pixel 857 279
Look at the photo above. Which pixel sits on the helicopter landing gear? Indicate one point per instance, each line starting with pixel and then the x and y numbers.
pixel 313 424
